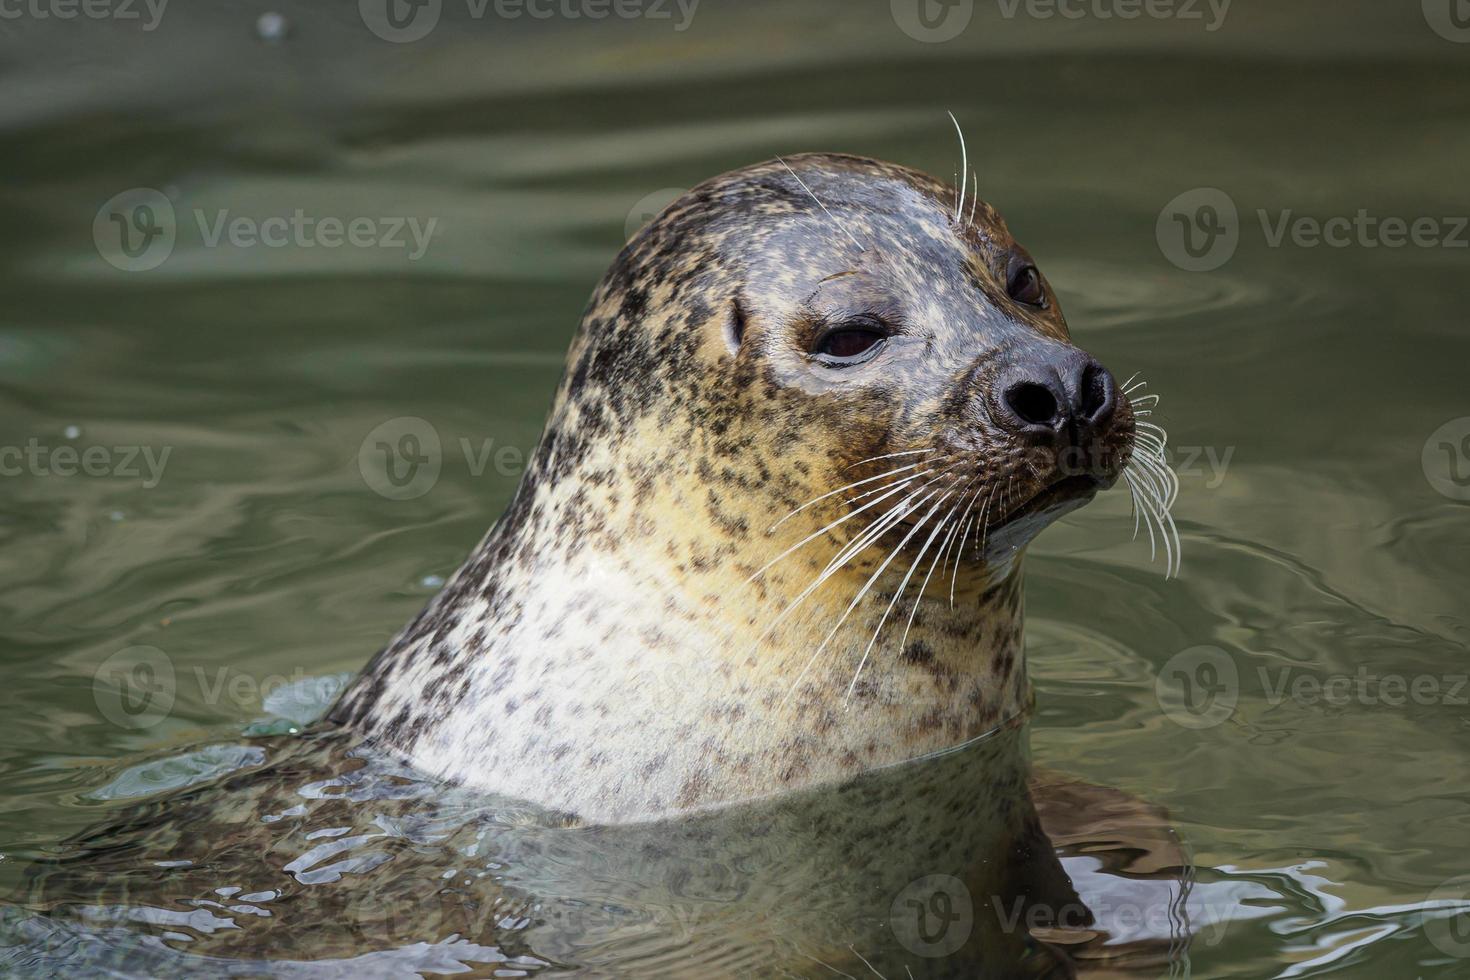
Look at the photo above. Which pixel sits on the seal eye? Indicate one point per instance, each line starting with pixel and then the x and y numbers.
pixel 1024 285
pixel 850 344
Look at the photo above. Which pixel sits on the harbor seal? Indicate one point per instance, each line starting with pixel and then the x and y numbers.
pixel 771 536
pixel 740 667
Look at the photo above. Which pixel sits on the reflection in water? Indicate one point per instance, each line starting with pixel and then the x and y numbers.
pixel 319 859
pixel 1321 549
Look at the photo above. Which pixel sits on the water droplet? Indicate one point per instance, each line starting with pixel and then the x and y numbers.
pixel 271 26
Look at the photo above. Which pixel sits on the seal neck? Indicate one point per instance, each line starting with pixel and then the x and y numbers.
pixel 624 644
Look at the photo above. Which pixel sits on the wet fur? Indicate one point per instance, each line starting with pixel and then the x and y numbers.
pixel 607 649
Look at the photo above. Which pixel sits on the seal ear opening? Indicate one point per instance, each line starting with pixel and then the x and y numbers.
pixel 735 326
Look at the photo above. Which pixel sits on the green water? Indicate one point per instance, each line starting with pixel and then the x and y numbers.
pixel 1314 391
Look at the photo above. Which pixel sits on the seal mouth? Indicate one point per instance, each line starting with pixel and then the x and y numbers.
pixel 1045 505
pixel 1068 490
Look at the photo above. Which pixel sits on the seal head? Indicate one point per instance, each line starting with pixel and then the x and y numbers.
pixel 771 535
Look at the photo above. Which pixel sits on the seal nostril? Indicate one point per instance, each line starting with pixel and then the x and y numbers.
pixel 1096 393
pixel 1033 403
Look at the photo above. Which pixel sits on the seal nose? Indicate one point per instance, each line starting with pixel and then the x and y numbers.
pixel 1066 400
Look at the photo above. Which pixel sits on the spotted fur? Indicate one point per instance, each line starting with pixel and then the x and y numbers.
pixel 607 649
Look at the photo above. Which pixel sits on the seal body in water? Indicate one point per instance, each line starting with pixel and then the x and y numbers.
pixel 764 567
pixel 771 537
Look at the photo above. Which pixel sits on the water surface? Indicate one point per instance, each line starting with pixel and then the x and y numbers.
pixel 1305 386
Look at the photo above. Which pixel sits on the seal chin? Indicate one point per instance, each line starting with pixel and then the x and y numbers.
pixel 1065 495
pixel 1023 523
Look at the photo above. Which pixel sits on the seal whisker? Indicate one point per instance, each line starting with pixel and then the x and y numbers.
pixel 1153 444
pixel 890 491
pixel 828 966
pixel 1170 478
pixel 983 514
pixel 943 548
pixel 895 515
pixel 1149 476
pixel 964 168
pixel 960 552
pixel 1153 550
pixel 876 531
pixel 833 493
pixel 878 528
pixel 944 568
pixel 872 490
pixel 866 963
pixel 902 586
pixel 962 524
pixel 1149 481
pixel 1163 435
pixel 1133 500
pixel 1154 505
pixel 821 205
pixel 873 459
